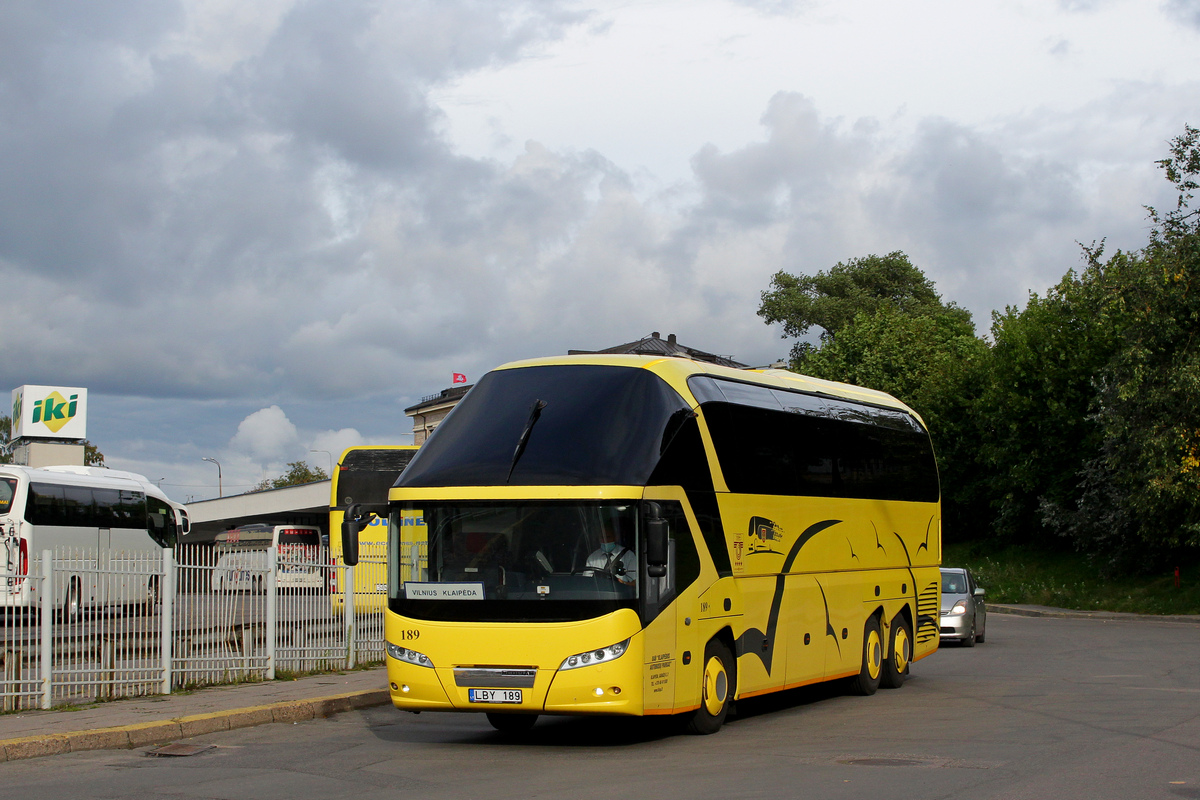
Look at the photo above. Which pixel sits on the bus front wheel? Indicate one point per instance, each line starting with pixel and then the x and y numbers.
pixel 716 693
pixel 512 723
pixel 869 674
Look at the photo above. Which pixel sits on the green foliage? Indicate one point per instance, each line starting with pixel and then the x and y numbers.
pixel 1034 410
pixel 1140 495
pixel 5 434
pixel 1030 575
pixel 832 300
pixel 298 472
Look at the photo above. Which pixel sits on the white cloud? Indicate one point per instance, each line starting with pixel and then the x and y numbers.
pixel 266 436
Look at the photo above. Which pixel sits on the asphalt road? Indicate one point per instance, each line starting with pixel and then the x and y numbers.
pixel 1047 708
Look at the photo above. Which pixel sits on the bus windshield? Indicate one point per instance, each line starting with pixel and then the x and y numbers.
pixel 518 561
pixel 561 425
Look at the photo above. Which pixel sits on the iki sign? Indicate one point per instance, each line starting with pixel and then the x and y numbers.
pixel 49 412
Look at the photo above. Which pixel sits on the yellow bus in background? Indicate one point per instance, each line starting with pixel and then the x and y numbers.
pixel 655 536
pixel 364 475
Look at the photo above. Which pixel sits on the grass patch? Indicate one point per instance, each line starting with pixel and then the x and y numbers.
pixel 1067 580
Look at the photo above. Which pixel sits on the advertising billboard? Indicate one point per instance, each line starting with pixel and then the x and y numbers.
pixel 49 412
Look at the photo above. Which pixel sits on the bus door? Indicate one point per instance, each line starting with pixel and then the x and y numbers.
pixel 661 610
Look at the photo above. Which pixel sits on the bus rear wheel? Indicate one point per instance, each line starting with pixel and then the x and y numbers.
pixel 512 723
pixel 869 674
pixel 895 666
pixel 716 692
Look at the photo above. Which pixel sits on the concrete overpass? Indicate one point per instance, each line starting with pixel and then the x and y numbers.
pixel 306 504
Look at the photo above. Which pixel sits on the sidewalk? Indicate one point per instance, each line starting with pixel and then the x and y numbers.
pixel 158 719
pixel 1067 613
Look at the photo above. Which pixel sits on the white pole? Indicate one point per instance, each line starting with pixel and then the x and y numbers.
pixel 167 617
pixel 47 643
pixel 272 630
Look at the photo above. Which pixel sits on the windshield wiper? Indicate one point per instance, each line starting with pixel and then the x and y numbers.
pixel 534 413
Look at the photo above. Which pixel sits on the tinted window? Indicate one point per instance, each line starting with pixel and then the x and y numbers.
pixel 85 507
pixel 364 476
pixel 599 426
pixel 787 443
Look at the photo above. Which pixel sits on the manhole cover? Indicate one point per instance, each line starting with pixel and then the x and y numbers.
pixel 180 749
pixel 882 762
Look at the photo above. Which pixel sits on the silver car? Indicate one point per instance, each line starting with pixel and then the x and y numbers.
pixel 963 613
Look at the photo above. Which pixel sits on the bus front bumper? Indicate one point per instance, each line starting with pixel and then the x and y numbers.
pixel 479 681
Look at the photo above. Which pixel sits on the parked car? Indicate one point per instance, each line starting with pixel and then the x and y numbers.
pixel 963 612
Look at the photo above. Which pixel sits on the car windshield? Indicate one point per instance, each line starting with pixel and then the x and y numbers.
pixel 513 561
pixel 954 583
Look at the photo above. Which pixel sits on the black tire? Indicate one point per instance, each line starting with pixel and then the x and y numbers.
pixel 970 640
pixel 718 684
pixel 979 637
pixel 895 666
pixel 512 723
pixel 871 671
pixel 153 594
pixel 72 607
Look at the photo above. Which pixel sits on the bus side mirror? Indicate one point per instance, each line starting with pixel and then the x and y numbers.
pixel 656 541
pixel 357 517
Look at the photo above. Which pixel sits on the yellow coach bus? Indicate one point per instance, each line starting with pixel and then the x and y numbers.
pixel 650 536
pixel 364 474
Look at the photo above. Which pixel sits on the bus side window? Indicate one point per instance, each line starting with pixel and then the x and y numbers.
pixel 45 505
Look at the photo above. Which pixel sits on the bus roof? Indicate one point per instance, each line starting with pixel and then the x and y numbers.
pixel 676 371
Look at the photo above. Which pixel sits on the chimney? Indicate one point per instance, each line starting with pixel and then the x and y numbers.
pixel 654 335
pixel 670 338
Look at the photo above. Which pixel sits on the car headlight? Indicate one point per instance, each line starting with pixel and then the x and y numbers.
pixel 600 656
pixel 408 656
pixel 959 609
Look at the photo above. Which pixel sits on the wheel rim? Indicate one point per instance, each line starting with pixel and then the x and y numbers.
pixel 874 655
pixel 716 686
pixel 902 650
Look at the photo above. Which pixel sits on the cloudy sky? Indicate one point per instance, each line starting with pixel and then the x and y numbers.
pixel 254 230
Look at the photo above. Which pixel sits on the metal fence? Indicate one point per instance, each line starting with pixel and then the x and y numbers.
pixel 101 624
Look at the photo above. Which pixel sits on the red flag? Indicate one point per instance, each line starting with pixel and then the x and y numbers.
pixel 460 378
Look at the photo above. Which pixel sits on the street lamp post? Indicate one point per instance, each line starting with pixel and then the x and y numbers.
pixel 330 456
pixel 220 491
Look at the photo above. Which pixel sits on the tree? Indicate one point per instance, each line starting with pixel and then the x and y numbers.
pixel 298 472
pixel 1033 414
pixel 1141 493
pixel 831 301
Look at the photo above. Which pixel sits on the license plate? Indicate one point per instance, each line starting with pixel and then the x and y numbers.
pixel 494 695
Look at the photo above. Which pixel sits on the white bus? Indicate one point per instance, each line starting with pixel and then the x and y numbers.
pixel 241 556
pixel 101 520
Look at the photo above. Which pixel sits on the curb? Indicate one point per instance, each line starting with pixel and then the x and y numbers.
pixel 1067 613
pixel 126 737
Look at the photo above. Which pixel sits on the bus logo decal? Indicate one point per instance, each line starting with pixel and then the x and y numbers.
pixel 762 532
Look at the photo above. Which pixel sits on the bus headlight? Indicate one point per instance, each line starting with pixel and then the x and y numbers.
pixel 408 656
pixel 600 656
